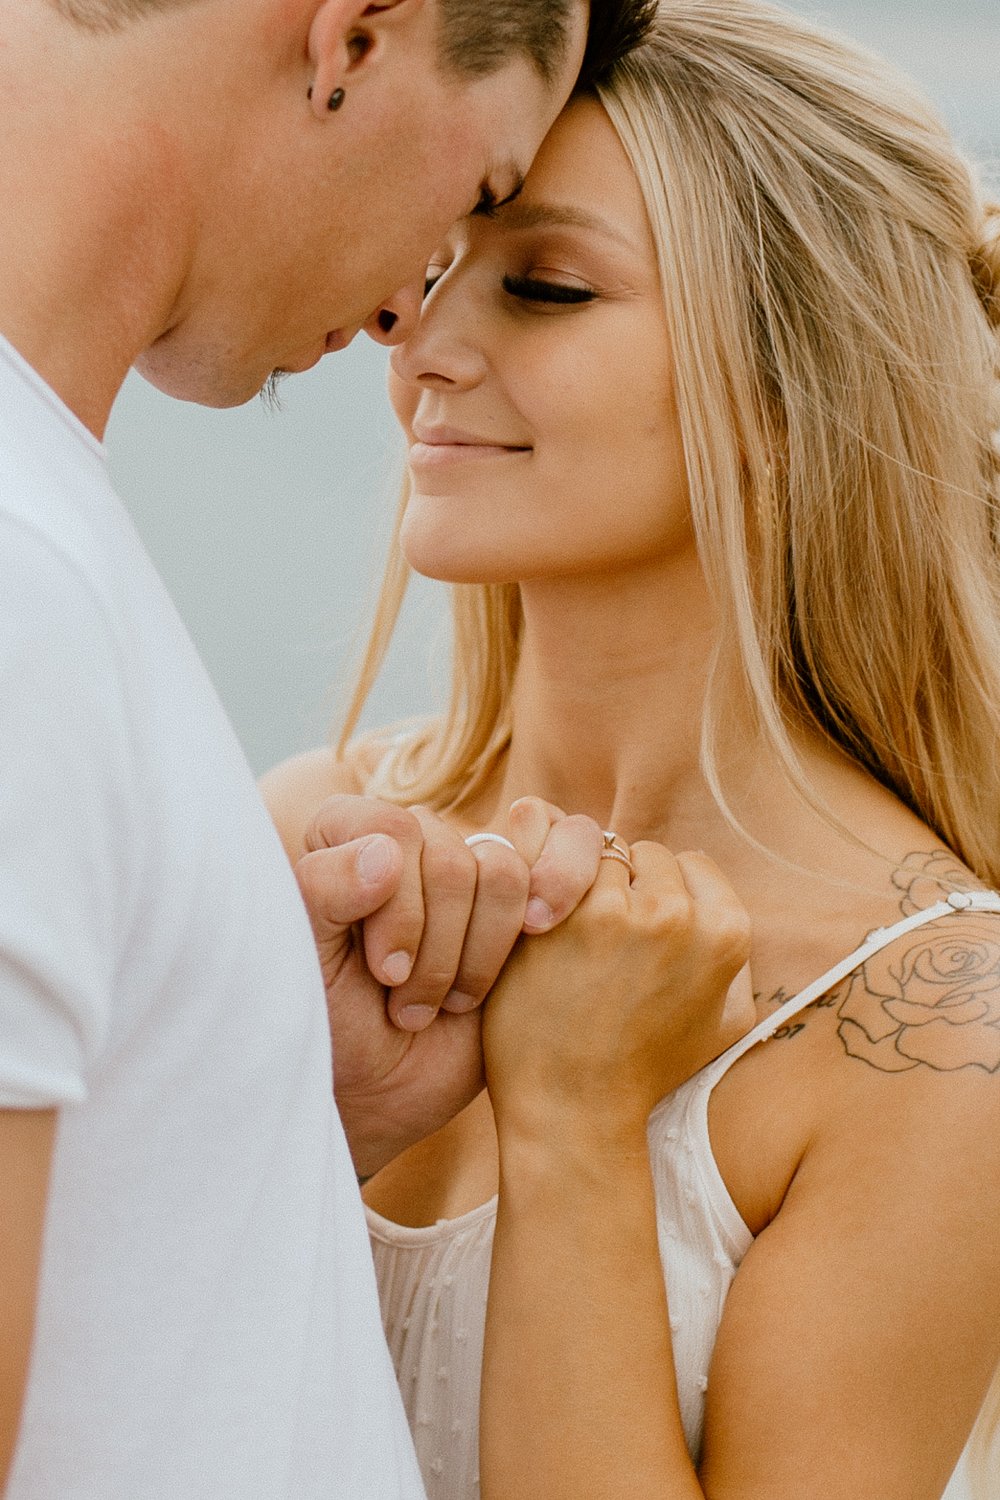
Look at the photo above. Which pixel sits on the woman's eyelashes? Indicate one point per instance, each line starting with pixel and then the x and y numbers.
pixel 537 289
pixel 530 289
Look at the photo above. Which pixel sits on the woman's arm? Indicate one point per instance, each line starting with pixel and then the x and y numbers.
pixel 586 1030
pixel 861 1330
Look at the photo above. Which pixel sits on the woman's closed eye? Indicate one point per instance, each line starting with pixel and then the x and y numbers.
pixel 531 288
pixel 539 289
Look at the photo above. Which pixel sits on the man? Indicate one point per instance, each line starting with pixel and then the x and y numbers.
pixel 214 190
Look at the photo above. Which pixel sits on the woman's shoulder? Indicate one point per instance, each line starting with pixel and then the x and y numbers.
pixel 899 1043
pixel 295 788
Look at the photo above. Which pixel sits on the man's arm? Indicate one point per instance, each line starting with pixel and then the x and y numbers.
pixel 26 1142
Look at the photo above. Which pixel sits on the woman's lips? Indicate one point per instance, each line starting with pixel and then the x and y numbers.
pixel 428 455
pixel 447 445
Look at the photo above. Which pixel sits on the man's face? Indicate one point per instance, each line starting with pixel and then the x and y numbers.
pixel 310 223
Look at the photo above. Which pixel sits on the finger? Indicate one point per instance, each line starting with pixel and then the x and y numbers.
pixel 564 871
pixel 392 934
pixel 449 871
pixel 657 869
pixel 689 889
pixel 739 1014
pixel 719 912
pixel 344 885
pixel 528 824
pixel 494 926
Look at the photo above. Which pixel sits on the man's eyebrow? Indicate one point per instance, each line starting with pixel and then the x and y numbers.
pixel 488 204
pixel 560 216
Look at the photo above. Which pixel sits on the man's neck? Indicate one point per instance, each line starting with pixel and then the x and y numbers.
pixel 91 248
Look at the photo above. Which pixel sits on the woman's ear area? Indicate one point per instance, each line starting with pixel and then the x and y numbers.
pixel 345 37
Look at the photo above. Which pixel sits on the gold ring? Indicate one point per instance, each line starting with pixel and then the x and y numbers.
pixel 616 848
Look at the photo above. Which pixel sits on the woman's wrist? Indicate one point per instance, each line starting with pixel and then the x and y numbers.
pixel 581 1147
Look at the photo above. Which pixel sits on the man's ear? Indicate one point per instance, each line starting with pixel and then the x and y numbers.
pixel 345 38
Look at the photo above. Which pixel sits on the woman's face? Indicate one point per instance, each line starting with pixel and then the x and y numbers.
pixel 537 392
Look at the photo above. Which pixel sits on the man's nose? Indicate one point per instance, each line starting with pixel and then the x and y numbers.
pixel 396 319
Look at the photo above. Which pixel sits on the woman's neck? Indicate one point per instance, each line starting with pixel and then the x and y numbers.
pixel 609 696
pixel 608 708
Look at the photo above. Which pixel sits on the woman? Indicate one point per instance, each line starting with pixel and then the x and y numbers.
pixel 703 428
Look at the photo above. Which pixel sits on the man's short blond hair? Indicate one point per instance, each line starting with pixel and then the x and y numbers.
pixel 476 36
pixel 109 15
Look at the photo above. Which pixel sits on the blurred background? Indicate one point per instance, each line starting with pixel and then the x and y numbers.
pixel 269 527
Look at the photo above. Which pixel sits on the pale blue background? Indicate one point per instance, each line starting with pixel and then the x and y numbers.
pixel 269 528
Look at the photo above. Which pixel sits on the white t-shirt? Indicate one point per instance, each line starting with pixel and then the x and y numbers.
pixel 207 1324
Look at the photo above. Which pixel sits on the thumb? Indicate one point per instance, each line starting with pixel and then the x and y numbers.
pixel 343 885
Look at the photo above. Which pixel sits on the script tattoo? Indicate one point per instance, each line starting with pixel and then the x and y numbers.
pixel 933 1001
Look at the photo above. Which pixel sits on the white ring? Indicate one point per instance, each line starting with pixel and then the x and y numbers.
pixel 489 838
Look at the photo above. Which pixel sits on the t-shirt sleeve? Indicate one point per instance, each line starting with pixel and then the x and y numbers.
pixel 65 826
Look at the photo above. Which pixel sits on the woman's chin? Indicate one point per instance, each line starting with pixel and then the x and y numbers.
pixel 452 560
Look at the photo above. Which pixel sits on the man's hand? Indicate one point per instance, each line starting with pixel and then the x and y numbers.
pixel 412 928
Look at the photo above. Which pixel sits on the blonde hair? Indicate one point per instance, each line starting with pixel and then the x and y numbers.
pixel 832 280
pixel 831 275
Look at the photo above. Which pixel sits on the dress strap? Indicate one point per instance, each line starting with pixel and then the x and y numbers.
pixel 957 902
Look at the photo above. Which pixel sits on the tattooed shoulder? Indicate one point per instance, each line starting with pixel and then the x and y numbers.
pixel 932 998
pixel 928 876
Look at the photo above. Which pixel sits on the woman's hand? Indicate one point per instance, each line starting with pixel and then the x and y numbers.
pixel 408 957
pixel 592 1024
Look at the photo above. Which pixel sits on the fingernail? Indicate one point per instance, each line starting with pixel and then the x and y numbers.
pixel 416 1017
pixel 458 1003
pixel 538 915
pixel 374 859
pixel 397 967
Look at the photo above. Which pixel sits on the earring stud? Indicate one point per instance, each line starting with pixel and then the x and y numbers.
pixel 335 100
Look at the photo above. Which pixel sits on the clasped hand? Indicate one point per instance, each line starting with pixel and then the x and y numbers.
pixel 413 928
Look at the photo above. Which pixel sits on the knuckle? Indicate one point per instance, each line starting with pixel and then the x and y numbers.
pixel 676 913
pixel 433 980
pixel 582 826
pixel 345 816
pixel 728 937
pixel 398 822
pixel 737 931
pixel 452 867
pixel 503 876
pixel 607 912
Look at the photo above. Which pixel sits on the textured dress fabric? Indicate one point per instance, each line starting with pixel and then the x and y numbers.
pixel 433 1281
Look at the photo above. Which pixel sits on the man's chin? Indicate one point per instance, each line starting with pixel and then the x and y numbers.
pixel 200 381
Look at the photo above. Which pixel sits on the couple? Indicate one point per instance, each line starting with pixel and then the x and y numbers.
pixel 701 426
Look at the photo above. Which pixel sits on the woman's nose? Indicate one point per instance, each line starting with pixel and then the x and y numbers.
pixel 445 349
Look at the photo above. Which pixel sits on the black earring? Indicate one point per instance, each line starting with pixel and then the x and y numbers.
pixel 335 100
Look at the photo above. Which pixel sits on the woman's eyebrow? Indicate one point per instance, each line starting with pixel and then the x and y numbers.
pixel 522 215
